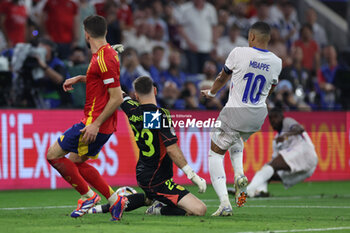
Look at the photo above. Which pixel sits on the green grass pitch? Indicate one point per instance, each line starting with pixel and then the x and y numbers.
pixel 316 207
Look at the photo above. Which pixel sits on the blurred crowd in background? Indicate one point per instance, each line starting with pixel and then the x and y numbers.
pixel 181 44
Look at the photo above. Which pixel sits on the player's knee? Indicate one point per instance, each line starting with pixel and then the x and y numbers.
pixel 75 158
pixel 216 149
pixel 54 152
pixel 50 153
pixel 236 147
pixel 200 209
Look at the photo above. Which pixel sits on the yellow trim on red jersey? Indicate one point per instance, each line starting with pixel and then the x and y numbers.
pixel 89 120
pixel 88 68
pixel 83 148
pixel 101 61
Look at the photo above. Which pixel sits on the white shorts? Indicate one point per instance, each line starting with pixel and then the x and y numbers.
pixel 302 160
pixel 224 137
pixel 245 119
pixel 290 179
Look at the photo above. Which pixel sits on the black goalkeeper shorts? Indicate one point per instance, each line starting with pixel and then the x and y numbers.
pixel 168 192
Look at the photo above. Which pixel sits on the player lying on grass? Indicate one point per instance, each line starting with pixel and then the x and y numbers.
pixel 253 72
pixel 294 157
pixel 158 150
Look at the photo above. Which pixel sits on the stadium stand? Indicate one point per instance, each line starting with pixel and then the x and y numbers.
pixel 172 41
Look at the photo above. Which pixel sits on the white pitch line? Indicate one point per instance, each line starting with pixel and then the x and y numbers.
pixel 301 230
pixel 292 206
pixel 301 206
pixel 288 198
pixel 38 207
pixel 247 206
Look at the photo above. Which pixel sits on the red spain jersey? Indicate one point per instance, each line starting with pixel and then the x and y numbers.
pixel 103 73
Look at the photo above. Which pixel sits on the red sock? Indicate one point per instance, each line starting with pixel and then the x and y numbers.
pixel 94 178
pixel 70 173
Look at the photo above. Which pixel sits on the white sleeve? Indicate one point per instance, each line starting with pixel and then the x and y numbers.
pixel 275 149
pixel 278 71
pixel 231 59
pixel 288 123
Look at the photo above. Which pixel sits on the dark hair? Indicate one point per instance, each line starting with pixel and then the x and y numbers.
pixel 276 110
pixel 96 26
pixel 128 51
pixel 235 26
pixel 79 49
pixel 306 25
pixel 48 43
pixel 157 47
pixel 262 3
pixel 143 85
pixel 288 3
pixel 51 44
pixel 261 27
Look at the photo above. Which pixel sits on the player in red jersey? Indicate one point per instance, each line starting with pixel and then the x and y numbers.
pixel 13 20
pixel 85 139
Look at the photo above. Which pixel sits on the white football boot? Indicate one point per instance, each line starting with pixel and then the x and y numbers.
pixel 154 209
pixel 241 184
pixel 223 211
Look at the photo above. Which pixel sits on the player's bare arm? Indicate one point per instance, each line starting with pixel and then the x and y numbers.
pixel 115 99
pixel 178 158
pixel 271 90
pixel 295 130
pixel 68 84
pixel 51 73
pixel 176 155
pixel 219 83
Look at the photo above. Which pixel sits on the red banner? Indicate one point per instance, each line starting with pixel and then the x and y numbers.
pixel 27 134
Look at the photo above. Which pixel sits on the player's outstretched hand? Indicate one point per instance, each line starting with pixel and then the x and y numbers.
pixel 68 84
pixel 205 93
pixel 200 182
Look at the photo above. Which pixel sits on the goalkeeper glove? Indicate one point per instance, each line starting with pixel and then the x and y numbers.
pixel 191 175
pixel 118 47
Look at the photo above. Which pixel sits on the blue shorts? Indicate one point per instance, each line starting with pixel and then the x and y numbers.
pixel 71 141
